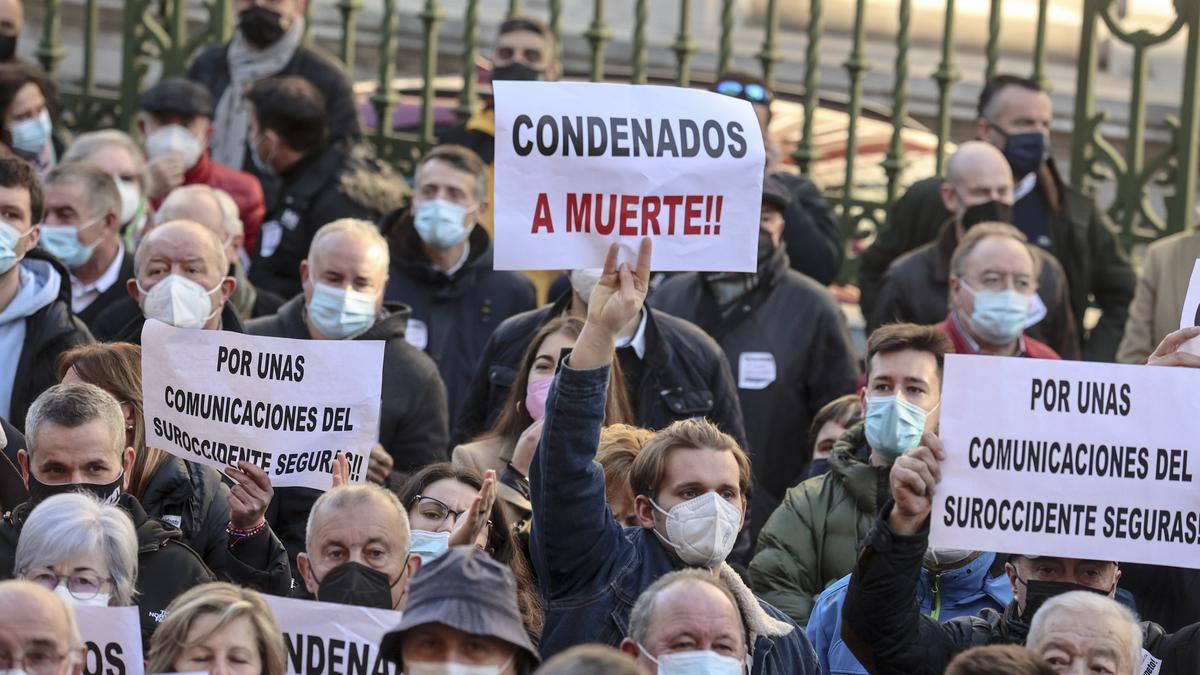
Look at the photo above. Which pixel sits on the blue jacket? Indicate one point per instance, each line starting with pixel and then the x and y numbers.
pixel 589 568
pixel 961 592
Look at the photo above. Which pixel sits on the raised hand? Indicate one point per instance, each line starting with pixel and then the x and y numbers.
pixel 472 523
pixel 379 465
pixel 249 499
pixel 340 470
pixel 914 476
pixel 1168 353
pixel 617 299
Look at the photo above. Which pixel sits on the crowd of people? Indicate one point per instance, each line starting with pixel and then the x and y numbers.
pixel 604 470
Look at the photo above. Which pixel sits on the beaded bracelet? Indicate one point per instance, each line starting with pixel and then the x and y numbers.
pixel 239 534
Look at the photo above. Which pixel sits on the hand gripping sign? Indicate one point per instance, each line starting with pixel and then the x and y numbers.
pixel 288 406
pixel 581 165
pixel 1069 459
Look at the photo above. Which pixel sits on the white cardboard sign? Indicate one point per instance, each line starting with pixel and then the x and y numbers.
pixel 1069 459
pixel 333 639
pixel 288 406
pixel 113 637
pixel 581 165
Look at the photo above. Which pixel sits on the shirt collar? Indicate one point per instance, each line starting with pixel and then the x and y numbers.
pixel 104 281
pixel 638 341
pixel 461 261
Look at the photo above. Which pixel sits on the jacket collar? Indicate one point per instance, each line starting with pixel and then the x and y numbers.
pixel 201 171
pixel 848 462
pixel 943 251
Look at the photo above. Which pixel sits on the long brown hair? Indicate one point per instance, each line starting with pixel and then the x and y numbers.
pixel 502 543
pixel 116 367
pixel 514 418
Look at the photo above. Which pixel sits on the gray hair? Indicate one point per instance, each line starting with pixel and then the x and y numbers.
pixel 74 405
pixel 139 256
pixel 1092 608
pixel 90 143
pixel 354 227
pixel 975 235
pixel 103 197
pixel 346 496
pixel 176 199
pixel 233 215
pixel 66 526
pixel 643 610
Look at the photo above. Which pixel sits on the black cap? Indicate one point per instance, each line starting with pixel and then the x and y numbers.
pixel 177 96
pixel 776 193
pixel 465 589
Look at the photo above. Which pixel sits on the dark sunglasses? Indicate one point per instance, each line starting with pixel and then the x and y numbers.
pixel 752 91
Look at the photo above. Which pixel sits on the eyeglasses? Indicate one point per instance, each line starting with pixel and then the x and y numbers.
pixel 436 511
pixel 81 585
pixel 751 91
pixel 40 661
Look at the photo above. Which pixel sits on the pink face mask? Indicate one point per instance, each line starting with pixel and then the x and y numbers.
pixel 535 397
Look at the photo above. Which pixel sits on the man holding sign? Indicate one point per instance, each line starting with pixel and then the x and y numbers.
pixel 882 625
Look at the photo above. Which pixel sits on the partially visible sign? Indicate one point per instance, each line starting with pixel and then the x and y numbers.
pixel 113 637
pixel 333 639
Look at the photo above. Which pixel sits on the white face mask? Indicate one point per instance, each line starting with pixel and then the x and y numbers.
pixel 174 138
pixel 451 668
pixel 131 199
pixel 701 530
pixel 945 559
pixel 101 599
pixel 180 302
pixel 695 663
pixel 584 282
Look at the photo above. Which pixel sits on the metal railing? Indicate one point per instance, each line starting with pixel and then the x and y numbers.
pixel 160 30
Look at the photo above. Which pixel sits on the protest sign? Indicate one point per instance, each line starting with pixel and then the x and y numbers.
pixel 333 639
pixel 1069 459
pixel 580 165
pixel 113 637
pixel 1190 315
pixel 288 406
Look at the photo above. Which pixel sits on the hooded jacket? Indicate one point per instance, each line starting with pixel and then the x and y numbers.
pixel 789 348
pixel 812 539
pixel 891 637
pixel 1082 240
pixel 166 566
pixel 329 183
pixel 35 329
pixel 194 499
pixel 684 375
pixel 941 595
pixel 452 315
pixel 412 420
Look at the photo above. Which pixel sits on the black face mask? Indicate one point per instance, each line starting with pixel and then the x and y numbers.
pixel 517 71
pixel 262 27
pixel 1038 592
pixel 8 48
pixel 987 212
pixel 107 493
pixel 356 584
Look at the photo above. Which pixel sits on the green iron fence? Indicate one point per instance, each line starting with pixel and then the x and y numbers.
pixel 160 30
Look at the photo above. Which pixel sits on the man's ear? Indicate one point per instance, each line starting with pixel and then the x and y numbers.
pixel 628 646
pixel 132 288
pixel 946 192
pixel 23 461
pixel 644 511
pixel 304 566
pixel 228 286
pixel 127 457
pixel 1011 571
pixel 982 127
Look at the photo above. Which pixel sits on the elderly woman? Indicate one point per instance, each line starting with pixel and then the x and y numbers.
pixel 117 155
pixel 218 628
pixel 84 551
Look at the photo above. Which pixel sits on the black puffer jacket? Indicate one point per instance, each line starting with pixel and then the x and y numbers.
pixel 458 312
pixel 49 332
pixel 195 499
pixel 412 421
pixel 887 633
pixel 685 374
pixel 166 566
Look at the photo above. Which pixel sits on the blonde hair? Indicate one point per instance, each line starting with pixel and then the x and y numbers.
pixel 229 602
pixel 650 466
pixel 620 445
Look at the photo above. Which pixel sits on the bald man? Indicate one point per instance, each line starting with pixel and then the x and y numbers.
pixel 37 627
pixel 978 188
pixel 12 22
pixel 344 278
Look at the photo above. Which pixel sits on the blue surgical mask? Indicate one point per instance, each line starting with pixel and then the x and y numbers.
pixel 1025 152
pixel 341 313
pixel 428 546
pixel 9 236
pixel 999 316
pixel 893 425
pixel 440 223
pixel 30 136
pixel 700 662
pixel 62 242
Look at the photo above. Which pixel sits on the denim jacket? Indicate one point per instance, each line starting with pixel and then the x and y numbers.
pixel 590 569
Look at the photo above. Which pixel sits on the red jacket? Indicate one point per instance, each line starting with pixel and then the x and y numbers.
pixel 245 189
pixel 1028 347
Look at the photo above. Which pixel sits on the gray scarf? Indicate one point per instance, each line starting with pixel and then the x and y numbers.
pixel 231 120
